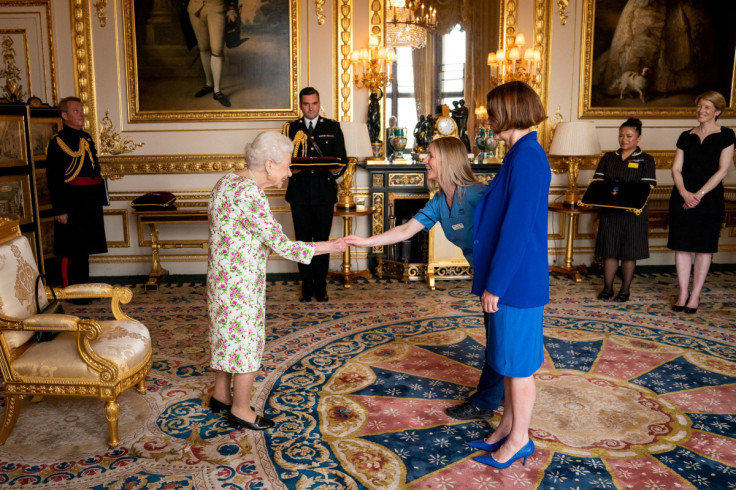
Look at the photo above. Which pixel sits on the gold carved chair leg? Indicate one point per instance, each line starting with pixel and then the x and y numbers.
pixel 112 411
pixel 141 388
pixel 12 407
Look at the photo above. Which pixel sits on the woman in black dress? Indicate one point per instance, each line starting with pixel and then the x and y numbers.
pixel 696 205
pixel 623 235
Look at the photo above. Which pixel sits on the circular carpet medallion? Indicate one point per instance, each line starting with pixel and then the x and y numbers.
pixel 616 407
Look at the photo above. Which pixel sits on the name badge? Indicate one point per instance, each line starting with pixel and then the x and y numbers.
pixel 633 165
pixel 457 226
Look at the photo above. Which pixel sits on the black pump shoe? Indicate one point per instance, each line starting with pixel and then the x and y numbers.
pixel 605 295
pixel 258 424
pixel 679 308
pixel 216 406
pixel 621 298
pixel 690 311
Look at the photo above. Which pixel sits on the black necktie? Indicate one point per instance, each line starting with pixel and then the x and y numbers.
pixel 310 128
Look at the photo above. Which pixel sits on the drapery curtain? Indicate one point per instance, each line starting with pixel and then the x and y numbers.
pixel 424 62
pixel 480 20
pixel 482 24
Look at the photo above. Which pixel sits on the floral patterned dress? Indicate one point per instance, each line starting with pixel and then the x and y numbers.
pixel 243 231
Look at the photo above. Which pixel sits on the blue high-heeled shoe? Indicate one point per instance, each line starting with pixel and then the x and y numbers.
pixel 482 444
pixel 524 452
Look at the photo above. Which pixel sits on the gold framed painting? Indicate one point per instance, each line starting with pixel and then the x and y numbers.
pixel 12 141
pixel 42 129
pixel 46 230
pixel 254 60
pixel 15 197
pixel 652 59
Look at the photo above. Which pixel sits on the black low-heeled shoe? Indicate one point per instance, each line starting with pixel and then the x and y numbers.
pixel 621 298
pixel 216 406
pixel 258 424
pixel 682 308
pixel 605 295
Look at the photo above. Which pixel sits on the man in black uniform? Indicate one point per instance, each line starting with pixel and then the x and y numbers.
pixel 313 193
pixel 73 175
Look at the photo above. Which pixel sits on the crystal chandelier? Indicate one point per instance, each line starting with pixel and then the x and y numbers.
pixel 408 22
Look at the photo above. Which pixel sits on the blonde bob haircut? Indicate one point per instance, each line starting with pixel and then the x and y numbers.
pixel 514 105
pixel 453 165
pixel 718 100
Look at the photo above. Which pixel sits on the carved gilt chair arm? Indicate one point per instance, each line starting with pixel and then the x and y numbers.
pixel 118 295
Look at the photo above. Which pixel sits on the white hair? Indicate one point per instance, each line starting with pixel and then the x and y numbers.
pixel 268 145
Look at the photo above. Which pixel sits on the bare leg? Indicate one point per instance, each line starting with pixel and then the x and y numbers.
pixel 507 419
pixel 702 264
pixel 610 266
pixel 222 387
pixel 627 273
pixel 683 264
pixel 243 384
pixel 523 393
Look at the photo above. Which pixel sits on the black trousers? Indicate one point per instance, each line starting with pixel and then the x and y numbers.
pixel 312 223
pixel 75 270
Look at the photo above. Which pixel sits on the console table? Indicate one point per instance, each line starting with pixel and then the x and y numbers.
pixel 155 218
pixel 572 213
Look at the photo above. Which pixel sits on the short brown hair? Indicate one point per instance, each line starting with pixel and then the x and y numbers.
pixel 63 103
pixel 514 105
pixel 718 100
pixel 454 166
pixel 308 91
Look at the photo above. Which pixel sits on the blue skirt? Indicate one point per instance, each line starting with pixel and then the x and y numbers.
pixel 514 340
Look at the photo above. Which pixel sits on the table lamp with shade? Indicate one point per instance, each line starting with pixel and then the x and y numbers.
pixel 358 147
pixel 573 140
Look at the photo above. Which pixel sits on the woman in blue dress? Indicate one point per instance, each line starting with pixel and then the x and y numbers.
pixel 453 207
pixel 511 266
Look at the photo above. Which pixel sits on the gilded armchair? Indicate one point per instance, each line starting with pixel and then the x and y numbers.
pixel 88 358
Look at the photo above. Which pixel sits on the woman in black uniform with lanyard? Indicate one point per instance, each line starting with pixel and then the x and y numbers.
pixel 623 235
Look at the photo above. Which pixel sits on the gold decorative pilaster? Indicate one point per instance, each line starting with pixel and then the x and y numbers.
pixel 343 32
pixel 111 143
pixel 84 67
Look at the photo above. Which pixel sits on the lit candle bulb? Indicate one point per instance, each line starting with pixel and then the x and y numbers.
pixel 520 40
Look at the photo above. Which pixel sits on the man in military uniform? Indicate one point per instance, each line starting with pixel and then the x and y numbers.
pixel 313 193
pixel 73 175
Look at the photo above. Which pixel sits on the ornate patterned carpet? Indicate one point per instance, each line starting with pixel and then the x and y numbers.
pixel 630 396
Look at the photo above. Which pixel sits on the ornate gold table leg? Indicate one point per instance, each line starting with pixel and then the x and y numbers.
pixel 157 272
pixel 568 268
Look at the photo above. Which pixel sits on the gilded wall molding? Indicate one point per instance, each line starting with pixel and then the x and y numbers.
pixel 343 33
pixel 84 80
pixel 319 6
pixel 111 143
pixel 115 167
pixel 13 89
pixel 125 242
pixel 562 6
pixel 100 11
pixel 46 5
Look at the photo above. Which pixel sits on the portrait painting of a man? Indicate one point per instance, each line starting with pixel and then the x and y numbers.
pixel 200 59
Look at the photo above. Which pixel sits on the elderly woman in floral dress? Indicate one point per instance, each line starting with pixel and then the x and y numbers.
pixel 243 232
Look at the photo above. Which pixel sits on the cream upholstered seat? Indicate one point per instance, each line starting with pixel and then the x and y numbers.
pixel 88 358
